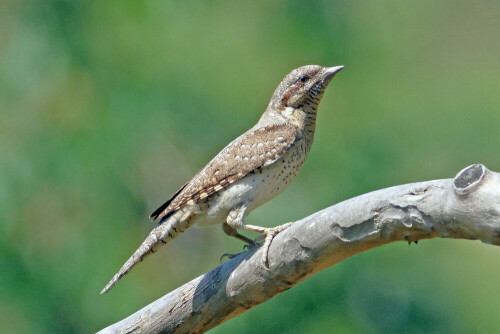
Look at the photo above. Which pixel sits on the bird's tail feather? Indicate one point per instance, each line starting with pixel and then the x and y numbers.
pixel 160 235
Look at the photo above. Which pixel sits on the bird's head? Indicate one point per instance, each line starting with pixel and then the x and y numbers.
pixel 301 90
pixel 302 85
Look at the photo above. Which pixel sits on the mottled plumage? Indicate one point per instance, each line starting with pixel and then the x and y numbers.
pixel 249 171
pixel 254 149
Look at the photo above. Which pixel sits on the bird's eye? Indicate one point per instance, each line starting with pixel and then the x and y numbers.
pixel 304 78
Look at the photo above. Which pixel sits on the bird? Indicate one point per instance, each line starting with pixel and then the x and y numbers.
pixel 248 172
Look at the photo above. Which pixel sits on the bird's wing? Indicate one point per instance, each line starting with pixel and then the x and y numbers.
pixel 252 150
pixel 162 208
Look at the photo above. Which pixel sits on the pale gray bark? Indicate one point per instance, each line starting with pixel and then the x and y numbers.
pixel 467 207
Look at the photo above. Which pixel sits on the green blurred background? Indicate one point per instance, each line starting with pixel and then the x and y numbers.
pixel 106 108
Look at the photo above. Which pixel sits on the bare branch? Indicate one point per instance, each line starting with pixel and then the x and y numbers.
pixel 467 207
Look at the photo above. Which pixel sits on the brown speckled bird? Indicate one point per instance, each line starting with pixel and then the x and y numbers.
pixel 248 172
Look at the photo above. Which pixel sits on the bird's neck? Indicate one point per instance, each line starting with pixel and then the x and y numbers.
pixel 306 120
pixel 303 117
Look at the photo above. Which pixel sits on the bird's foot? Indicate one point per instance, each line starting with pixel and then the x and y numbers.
pixel 246 247
pixel 268 236
pixel 229 256
pixel 249 245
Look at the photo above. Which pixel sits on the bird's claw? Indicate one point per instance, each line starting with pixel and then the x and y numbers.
pixel 250 246
pixel 270 233
pixel 228 255
pixel 268 236
pixel 246 247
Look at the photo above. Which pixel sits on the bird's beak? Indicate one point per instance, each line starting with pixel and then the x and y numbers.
pixel 329 73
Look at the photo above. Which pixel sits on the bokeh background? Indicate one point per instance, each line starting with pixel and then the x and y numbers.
pixel 107 108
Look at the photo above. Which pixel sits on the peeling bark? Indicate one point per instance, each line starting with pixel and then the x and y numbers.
pixel 466 207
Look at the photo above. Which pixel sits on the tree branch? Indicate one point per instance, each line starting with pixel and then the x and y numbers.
pixel 467 207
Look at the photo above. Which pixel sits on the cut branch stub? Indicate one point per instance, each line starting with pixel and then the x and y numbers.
pixel 468 178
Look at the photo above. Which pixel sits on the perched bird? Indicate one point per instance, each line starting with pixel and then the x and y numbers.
pixel 248 172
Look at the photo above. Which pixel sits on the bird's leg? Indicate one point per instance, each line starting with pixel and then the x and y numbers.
pixel 234 233
pixel 235 221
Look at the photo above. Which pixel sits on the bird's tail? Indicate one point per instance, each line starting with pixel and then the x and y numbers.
pixel 160 235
